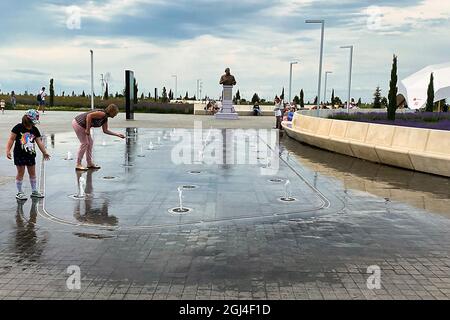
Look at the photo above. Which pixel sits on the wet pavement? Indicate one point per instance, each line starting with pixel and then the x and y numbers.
pixel 239 241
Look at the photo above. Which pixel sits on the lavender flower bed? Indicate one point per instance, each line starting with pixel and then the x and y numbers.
pixel 427 120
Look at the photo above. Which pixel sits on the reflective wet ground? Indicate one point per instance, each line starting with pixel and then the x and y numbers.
pixel 239 241
pixel 138 184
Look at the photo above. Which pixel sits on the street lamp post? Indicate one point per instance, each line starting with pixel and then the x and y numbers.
pixel 322 22
pixel 349 76
pixel 325 91
pixel 103 85
pixel 92 80
pixel 176 86
pixel 198 88
pixel 290 79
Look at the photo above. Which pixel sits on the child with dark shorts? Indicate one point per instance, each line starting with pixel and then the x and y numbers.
pixel 24 136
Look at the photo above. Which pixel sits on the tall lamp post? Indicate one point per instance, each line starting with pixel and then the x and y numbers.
pixel 198 88
pixel 325 91
pixel 322 22
pixel 92 80
pixel 176 86
pixel 290 79
pixel 349 75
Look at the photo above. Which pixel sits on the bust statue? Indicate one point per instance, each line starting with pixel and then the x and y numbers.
pixel 227 79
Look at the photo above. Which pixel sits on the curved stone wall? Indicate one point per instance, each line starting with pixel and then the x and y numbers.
pixel 424 150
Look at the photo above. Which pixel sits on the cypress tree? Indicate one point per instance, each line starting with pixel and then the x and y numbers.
pixel 430 95
pixel 302 99
pixel 393 89
pixel 332 98
pixel 106 95
pixel 52 94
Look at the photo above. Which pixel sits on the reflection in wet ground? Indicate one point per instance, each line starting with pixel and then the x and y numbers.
pixel 423 191
pixel 28 244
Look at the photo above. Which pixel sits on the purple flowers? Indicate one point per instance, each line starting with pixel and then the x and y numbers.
pixel 427 120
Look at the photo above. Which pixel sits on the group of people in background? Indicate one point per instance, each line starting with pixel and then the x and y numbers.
pixel 13 102
pixel 40 101
pixel 283 112
pixel 212 107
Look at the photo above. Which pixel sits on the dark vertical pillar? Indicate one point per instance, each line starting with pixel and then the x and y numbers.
pixel 156 94
pixel 129 94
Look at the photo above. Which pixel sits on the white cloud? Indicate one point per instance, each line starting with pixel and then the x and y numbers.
pixel 103 11
pixel 392 19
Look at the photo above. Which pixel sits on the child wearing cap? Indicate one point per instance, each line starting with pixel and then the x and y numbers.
pixel 24 136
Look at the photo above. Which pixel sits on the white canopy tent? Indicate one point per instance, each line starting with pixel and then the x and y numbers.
pixel 413 89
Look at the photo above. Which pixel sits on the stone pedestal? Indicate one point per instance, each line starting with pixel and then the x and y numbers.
pixel 227 111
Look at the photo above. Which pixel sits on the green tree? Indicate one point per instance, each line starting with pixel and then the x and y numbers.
pixel 377 98
pixel 52 94
pixel 296 100
pixel 237 98
pixel 83 94
pixel 302 99
pixel 106 95
pixel 393 89
pixel 186 97
pixel 282 94
pixel 63 93
pixel 73 93
pixel 117 94
pixel 142 96
pixel 255 98
pixel 315 101
pixel 430 95
pixel 384 102
pixel 164 97
pixel 359 102
pixel 332 97
pixel 444 106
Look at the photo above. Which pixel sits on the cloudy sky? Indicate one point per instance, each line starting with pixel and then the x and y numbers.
pixel 197 39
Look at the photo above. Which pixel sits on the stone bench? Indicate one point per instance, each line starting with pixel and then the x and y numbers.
pixel 417 149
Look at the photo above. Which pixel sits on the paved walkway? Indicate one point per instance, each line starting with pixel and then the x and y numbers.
pixel 319 256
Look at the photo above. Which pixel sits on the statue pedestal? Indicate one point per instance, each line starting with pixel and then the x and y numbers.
pixel 227 111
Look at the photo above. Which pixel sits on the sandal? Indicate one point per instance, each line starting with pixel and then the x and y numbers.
pixel 94 166
pixel 81 168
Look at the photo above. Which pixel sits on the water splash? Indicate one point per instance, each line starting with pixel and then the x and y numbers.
pixel 69 156
pixel 180 197
pixel 287 190
pixel 81 188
